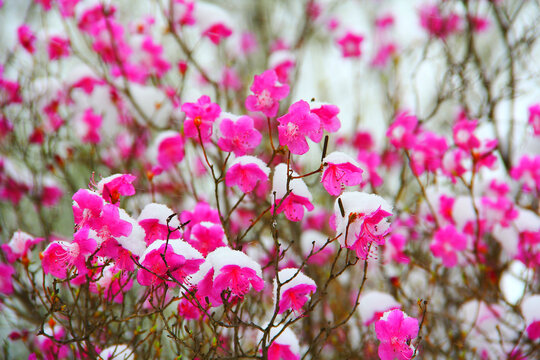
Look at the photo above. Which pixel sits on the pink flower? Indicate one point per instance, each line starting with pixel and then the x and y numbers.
pixel 206 237
pixel 111 283
pixel 217 32
pixel 427 153
pixel 246 172
pixel 296 125
pixel 437 24
pixel 6 283
pixel 299 197
pixel 361 220
pixel 385 52
pixel 370 162
pixel 454 163
pixel 267 93
pixel 26 38
pixel 154 59
pixel 528 172
pixel 182 12
pixel 284 346
pixel 295 290
pixel 59 256
pixel 340 169
pixel 92 123
pixel 170 149
pixel 394 249
pixel 114 186
pixel 530 309
pixel 350 45
pixel 534 118
pixel 87 207
pixel 201 212
pixel 58 47
pixel 50 195
pixel 153 219
pixel 327 114
pixel 181 259
pixel 464 135
pixel 402 131
pixel 19 245
pixel 199 117
pixel 395 330
pixel 239 136
pixel 447 242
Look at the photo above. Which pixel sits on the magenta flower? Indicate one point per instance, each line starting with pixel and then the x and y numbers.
pixel 6 284
pixel 58 47
pixel 284 346
pixel 395 330
pixel 446 243
pixel 92 123
pixel 363 222
pixel 239 136
pixel 530 309
pixel 114 186
pixel 295 290
pixel 247 172
pixel 350 45
pixel 199 117
pixel 267 92
pixel 60 256
pixel 294 203
pixel 437 24
pixel 340 169
pixel 528 172
pixel 19 245
pixel 170 149
pixel 87 207
pixel 154 59
pixel 534 118
pixel 327 114
pixel 402 131
pixel 206 237
pixel 27 39
pixel 373 304
pixel 464 135
pixel 217 32
pixel 427 153
pixel 296 125
pixel 181 259
pixel 153 219
pixel 111 283
pixel 201 212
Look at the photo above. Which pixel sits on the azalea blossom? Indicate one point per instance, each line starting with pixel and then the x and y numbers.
pixel 361 220
pixel 247 172
pixel 447 243
pixel 373 304
pixel 296 125
pixel 340 169
pixel 267 92
pixel 199 118
pixel 293 203
pixel 530 307
pixel 395 330
pixel 206 237
pixel 153 219
pixel 239 136
pixel 6 283
pixel 534 118
pixel 402 131
pixel 19 245
pixel 350 45
pixel 114 186
pixel 169 149
pixel 295 290
pixel 327 114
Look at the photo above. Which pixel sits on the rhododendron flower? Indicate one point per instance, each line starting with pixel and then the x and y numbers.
pixel 60 256
pixel 427 153
pixel 446 243
pixel 454 163
pixel 534 118
pixel 19 245
pixel 48 347
pixel 153 219
pixel 6 283
pixel 528 172
pixel 267 92
pixel 394 249
pixel 182 12
pixel 402 131
pixel 530 308
pixel 111 283
pixel 370 162
pixel 206 237
pixel 296 125
pixel 239 136
pixel 327 114
pixel 58 47
pixel 283 63
pixel 87 207
pixel 235 271
pixel 373 304
pixel 293 203
pixel 154 60
pixel 385 52
pixel 350 45
pixel 199 117
pixel 246 172
pixel 284 344
pixel 169 149
pixel 501 211
pixel 181 260
pixel 436 23
pixel 464 134
pixel 295 290
pixel 362 222
pixel 26 38
pixel 215 23
pixel 114 186
pixel 201 212
pixel 91 125
pixel 340 169
pixel 395 331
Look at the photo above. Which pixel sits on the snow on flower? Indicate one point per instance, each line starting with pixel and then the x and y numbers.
pixel 246 172
pixel 315 243
pixel 59 256
pixel 528 172
pixel 153 219
pixel 111 283
pixel 239 135
pixel 295 290
pixel 267 92
pixel 19 245
pixel 340 169
pixel 362 222
pixel 395 330
pixel 284 344
pixel 373 304
pixel 199 118
pixel 117 352
pixel 447 243
pixel 291 204
pixel 181 260
pixel 530 308
pixel 216 24
pixel 296 125
pixel 283 63
pixel 114 186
